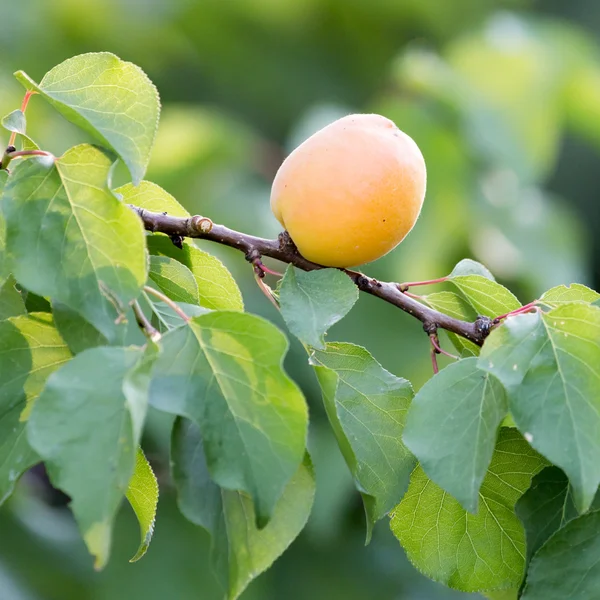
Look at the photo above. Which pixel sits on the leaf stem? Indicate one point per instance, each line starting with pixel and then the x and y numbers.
pixel 149 330
pixel 518 311
pixel 266 290
pixel 404 286
pixel 435 342
pixel 170 303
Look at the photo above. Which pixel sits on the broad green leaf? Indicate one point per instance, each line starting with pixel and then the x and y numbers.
pixel 452 426
pixel 455 306
pixel 545 507
pixel 165 318
pixel 568 564
pixel 4 272
pixel 470 267
pixel 11 301
pixel 79 333
pixel 562 294
pixel 86 425
pixel 312 302
pixel 240 551
pixel 142 494
pixel 88 251
pixel 486 296
pixel 550 366
pixel 218 290
pixel 15 121
pixel 111 99
pixel 174 279
pixel 511 594
pixel 367 407
pixel 30 349
pixel 223 370
pixel 470 552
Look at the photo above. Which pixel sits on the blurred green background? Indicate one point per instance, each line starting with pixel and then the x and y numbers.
pixel 502 97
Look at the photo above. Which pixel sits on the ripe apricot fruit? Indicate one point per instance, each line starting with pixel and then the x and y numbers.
pixel 351 192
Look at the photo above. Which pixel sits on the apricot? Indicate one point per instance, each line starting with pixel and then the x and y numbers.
pixel 351 192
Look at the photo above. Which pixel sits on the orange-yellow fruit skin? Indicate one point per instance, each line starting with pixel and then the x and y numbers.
pixel 351 192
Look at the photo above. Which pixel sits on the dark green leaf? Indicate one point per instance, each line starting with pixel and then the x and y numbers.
pixel 31 349
pixel 11 301
pixel 240 551
pixel 452 427
pixel 174 279
pixel 367 407
pixel 76 331
pixel 223 370
pixel 15 121
pixel 568 564
pixel 550 366
pixel 469 552
pixel 86 425
pixel 562 294
pixel 111 99
pixel 470 267
pixel 312 302
pixel 142 494
pixel 70 239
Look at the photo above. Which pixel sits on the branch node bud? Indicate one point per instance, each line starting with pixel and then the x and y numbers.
pixel 483 325
pixel 201 224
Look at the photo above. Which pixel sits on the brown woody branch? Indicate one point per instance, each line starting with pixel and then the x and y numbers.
pixel 284 250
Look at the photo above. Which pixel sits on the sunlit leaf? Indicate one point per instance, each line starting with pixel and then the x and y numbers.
pixel 367 407
pixel 550 366
pixel 70 239
pixel 15 121
pixel 452 426
pixel 470 552
pixel 111 99
pixel 142 494
pixel 312 302
pixel 470 267
pixel 87 425
pixel 223 370
pixel 562 294
pixel 174 279
pixel 240 551
pixel 486 296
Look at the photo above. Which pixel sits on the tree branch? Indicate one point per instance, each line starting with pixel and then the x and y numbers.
pixel 284 250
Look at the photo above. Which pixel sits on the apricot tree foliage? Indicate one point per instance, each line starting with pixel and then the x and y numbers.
pixel 488 475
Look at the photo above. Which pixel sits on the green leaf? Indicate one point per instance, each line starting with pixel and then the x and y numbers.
pixel 111 99
pixel 70 239
pixel 223 370
pixel 568 564
pixel 4 271
pixel 367 407
pixel 174 279
pixel 562 294
pixel 550 366
pixel 452 426
pixel 470 552
pixel 11 301
pixel 470 267
pixel 511 594
pixel 218 290
pixel 87 425
pixel 312 302
pixel 455 306
pixel 486 296
pixel 545 507
pixel 77 332
pixel 165 318
pixel 142 494
pixel 240 551
pixel 15 121
pixel 31 349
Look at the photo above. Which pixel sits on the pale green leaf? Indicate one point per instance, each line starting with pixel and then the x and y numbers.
pixel 367 407
pixel 30 349
pixel 142 494
pixel 86 425
pixel 11 301
pixel 240 551
pixel 223 370
pixel 111 99
pixel 470 267
pixel 312 302
pixel 562 294
pixel 455 306
pixel 15 121
pixel 70 239
pixel 152 197
pixel 452 426
pixel 511 594
pixel 486 296
pixel 174 279
pixel 550 366
pixel 165 318
pixel 568 564
pixel 470 552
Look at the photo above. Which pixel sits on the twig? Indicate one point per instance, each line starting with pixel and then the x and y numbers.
pixel 283 249
pixel 149 330
pixel 172 305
